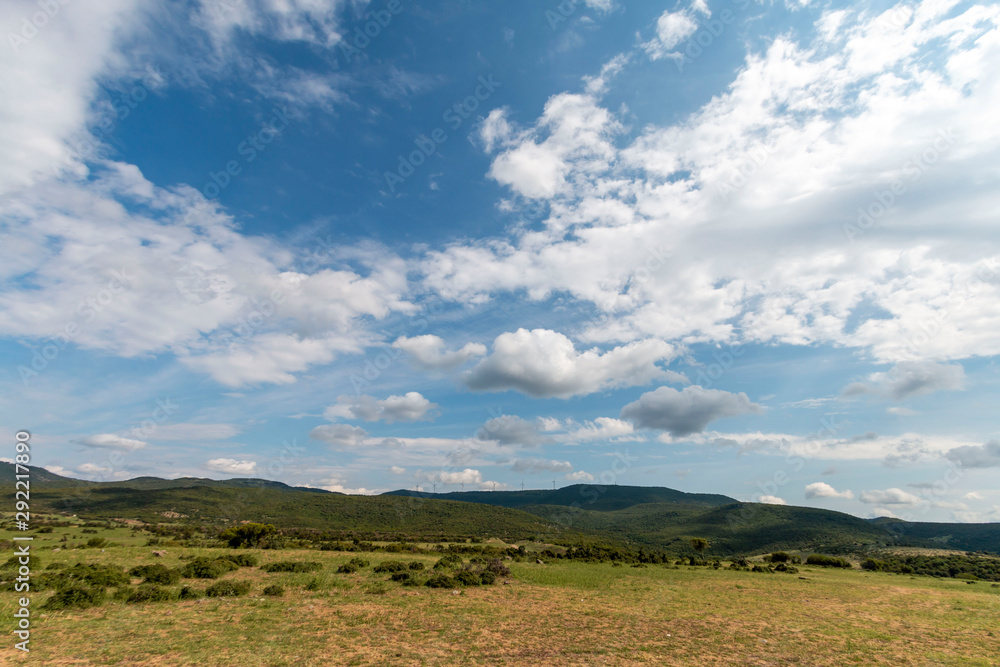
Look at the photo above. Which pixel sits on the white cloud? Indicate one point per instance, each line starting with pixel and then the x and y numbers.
pixel 579 476
pixel 340 435
pixel 112 441
pixel 883 512
pixel 824 490
pixel 541 465
pixel 613 200
pixel 428 352
pixel 396 470
pixel 336 485
pixel 467 476
pixel 901 411
pixel 672 28
pixel 682 413
pixel 892 496
pixel 771 500
pixel 232 466
pixel 602 428
pixel 911 378
pixel 410 407
pixel 544 363
pixel 972 495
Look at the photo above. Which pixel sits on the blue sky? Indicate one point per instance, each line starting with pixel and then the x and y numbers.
pixel 724 247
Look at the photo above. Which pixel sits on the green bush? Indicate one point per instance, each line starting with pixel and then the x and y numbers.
pixel 156 574
pixel 487 578
pixel 827 561
pixel 449 561
pixel 207 568
pixel 226 589
pixel 779 557
pixel 256 535
pixel 468 578
pixel 188 593
pixel 872 565
pixel 352 566
pixel 416 565
pixel 440 581
pixel 401 577
pixel 76 597
pixel 784 567
pixel 149 593
pixel 274 591
pixel 101 576
pixel 293 566
pixel 97 543
pixel 241 559
pixel 391 566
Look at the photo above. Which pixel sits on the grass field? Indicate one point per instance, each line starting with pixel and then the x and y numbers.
pixel 559 613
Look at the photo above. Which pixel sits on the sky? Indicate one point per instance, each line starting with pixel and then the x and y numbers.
pixel 722 246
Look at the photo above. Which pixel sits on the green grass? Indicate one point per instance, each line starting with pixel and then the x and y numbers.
pixel 557 613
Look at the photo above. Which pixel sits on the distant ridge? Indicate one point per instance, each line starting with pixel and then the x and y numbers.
pixel 42 477
pixel 597 497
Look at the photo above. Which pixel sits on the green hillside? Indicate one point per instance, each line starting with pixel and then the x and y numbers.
pixel 587 496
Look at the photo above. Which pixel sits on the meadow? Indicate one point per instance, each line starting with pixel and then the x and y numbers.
pixel 558 612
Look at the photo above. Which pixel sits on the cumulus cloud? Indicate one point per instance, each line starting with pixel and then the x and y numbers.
pixel 112 441
pixel 396 470
pixel 682 413
pixel 340 435
pixel 579 476
pixel 672 28
pixel 982 456
pixel 544 363
pixel 911 378
pixel 602 428
pixel 972 495
pixel 541 465
pixel 429 353
pixel 232 466
pixel 410 407
pixel 892 496
pixel 824 490
pixel 513 430
pixel 337 485
pixel 771 500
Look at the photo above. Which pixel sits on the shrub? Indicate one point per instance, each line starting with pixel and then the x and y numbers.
pixel 256 535
pixel 225 589
pixel 497 567
pixel 449 561
pixel 783 567
pixel 391 566
pixel 149 593
pixel 97 543
pixel 207 568
pixel 241 559
pixel 468 578
pixel 401 577
pixel 780 557
pixel 274 591
pixel 827 561
pixel 352 566
pixel 440 581
pixel 100 576
pixel 188 593
pixel 293 566
pixel 76 597
pixel 417 565
pixel 156 574
pixel 872 565
pixel 487 578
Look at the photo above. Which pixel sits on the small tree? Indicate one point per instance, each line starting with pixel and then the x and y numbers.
pixel 699 544
pixel 252 535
